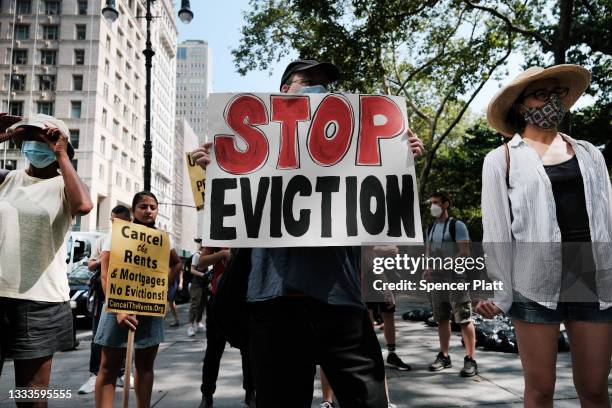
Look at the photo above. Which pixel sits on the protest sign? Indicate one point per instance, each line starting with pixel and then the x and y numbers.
pixel 138 270
pixel 309 170
pixel 197 176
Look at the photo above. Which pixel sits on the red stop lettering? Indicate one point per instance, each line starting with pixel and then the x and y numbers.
pixel 243 113
pixel 289 110
pixel 368 149
pixel 331 130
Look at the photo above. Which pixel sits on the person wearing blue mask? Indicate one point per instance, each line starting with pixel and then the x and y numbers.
pixel 306 304
pixel 37 207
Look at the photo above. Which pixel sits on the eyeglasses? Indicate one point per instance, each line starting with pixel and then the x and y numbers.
pixel 543 95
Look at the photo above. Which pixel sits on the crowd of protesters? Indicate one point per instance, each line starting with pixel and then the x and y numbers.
pixel 539 186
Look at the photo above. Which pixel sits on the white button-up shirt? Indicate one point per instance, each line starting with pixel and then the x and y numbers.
pixel 522 239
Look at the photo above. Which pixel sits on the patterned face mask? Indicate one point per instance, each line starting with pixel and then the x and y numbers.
pixel 546 116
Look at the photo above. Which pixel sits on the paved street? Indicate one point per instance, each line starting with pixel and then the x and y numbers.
pixel 179 363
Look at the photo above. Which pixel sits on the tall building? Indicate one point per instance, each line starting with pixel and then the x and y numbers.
pixel 163 98
pixel 61 57
pixel 193 84
pixel 185 215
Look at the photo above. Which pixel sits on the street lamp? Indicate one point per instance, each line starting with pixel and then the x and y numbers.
pixel 185 15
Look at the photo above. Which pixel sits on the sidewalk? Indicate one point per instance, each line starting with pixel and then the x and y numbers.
pixel 179 364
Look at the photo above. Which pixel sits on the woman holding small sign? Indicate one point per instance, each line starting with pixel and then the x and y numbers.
pixel 112 333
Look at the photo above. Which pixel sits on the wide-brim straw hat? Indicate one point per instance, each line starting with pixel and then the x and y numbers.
pixel 571 76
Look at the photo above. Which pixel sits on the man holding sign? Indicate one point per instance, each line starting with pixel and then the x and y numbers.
pixel 137 264
pixel 305 300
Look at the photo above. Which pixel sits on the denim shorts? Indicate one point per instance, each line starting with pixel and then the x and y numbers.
pixel 150 331
pixel 533 312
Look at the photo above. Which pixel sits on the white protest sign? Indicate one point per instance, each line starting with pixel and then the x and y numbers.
pixel 309 170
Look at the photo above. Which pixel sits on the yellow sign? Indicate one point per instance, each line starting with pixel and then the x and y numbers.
pixel 138 270
pixel 197 175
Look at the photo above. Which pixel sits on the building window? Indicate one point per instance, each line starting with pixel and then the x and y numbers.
pixel 48 57
pixel 104 117
pixel 77 82
pixel 106 67
pixel 16 108
pixel 124 159
pixel 82 7
pixel 105 91
pixel 102 145
pixel 118 179
pixel 136 187
pixel 79 57
pixel 20 57
pixel 24 6
pixel 45 107
pixel 75 109
pixel 128 183
pixel 53 7
pixel 101 172
pixel 17 82
pixel 46 83
pixel 22 31
pixel 51 32
pixel 81 31
pixel 74 137
pixel 132 164
pixel 115 153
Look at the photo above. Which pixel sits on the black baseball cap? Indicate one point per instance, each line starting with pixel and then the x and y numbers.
pixel 302 65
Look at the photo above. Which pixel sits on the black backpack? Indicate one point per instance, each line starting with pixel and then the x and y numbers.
pixel 229 307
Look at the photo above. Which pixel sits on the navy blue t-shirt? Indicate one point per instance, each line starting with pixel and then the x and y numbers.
pixel 327 274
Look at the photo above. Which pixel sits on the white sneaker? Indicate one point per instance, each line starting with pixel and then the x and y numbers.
pixel 89 386
pixel 121 381
pixel 200 327
pixel 190 331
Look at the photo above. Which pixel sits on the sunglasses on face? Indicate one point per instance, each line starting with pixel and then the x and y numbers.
pixel 543 95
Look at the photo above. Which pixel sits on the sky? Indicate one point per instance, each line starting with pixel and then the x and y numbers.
pixel 219 23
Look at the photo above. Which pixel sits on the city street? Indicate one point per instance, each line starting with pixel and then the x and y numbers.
pixel 179 364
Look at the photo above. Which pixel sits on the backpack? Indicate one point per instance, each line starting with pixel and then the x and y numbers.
pixel 229 307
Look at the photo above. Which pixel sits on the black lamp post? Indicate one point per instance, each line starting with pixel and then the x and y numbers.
pixel 185 15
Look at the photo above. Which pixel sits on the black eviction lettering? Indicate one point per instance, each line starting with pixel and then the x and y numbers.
pixel 219 210
pixel 373 222
pixel 400 206
pixel 252 216
pixel 326 186
pixel 296 227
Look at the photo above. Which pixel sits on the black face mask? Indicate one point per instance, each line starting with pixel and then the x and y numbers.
pixel 137 221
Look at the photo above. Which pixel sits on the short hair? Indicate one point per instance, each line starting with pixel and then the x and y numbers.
pixel 442 195
pixel 121 210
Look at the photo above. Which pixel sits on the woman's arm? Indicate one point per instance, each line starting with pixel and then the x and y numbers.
pixel 209 258
pixel 497 233
pixel 104 257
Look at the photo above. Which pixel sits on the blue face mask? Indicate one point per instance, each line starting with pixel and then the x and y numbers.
pixel 313 89
pixel 38 153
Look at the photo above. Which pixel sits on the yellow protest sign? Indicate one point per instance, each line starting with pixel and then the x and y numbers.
pixel 138 270
pixel 197 175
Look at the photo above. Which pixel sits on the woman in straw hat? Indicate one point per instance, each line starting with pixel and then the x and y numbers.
pixel 550 196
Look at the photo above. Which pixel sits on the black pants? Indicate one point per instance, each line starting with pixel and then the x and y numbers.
pixel 215 344
pixel 290 336
pixel 95 355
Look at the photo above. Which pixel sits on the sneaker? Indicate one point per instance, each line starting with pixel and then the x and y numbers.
pixel 470 368
pixel 200 328
pixel 121 381
pixel 190 331
pixel 441 363
pixel 207 401
pixel 394 360
pixel 326 404
pixel 89 386
pixel 175 323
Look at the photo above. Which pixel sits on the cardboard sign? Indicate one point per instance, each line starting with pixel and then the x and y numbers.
pixel 138 270
pixel 197 175
pixel 309 170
